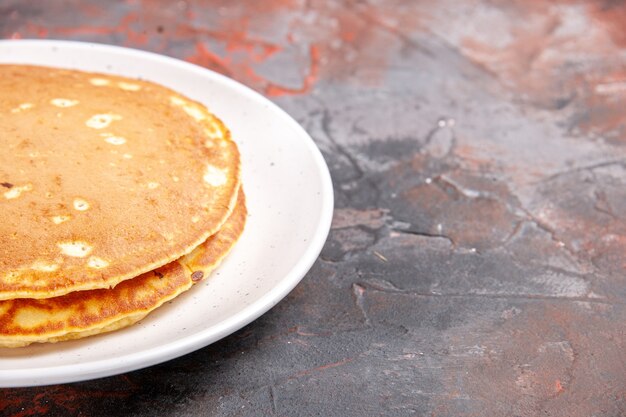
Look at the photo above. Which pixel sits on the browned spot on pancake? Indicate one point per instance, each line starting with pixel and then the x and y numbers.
pixel 6 185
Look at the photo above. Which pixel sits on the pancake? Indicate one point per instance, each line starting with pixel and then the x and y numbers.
pixel 103 178
pixel 85 313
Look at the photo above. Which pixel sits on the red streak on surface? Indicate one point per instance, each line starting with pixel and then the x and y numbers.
pixel 258 50
pixel 40 31
pixel 81 30
pixel 344 40
pixel 549 60
pixel 551 348
pixel 226 65
pixel 133 37
pixel 322 368
pixel 308 82
pixel 64 397
pixel 204 57
pixel 558 387
pixel 612 15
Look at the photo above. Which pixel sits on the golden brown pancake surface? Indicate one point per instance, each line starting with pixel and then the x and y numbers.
pixel 85 313
pixel 103 178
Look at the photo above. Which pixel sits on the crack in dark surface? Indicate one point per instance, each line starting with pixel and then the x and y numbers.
pixel 603 206
pixel 429 136
pixel 443 123
pixel 273 402
pixel 360 195
pixel 325 124
pixel 617 162
pixel 551 232
pixel 357 292
pixel 405 39
pixel 516 229
pixel 425 234
pixel 532 297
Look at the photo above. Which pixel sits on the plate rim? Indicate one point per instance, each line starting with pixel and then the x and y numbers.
pixel 184 345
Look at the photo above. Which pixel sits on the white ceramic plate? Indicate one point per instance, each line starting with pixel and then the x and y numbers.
pixel 290 200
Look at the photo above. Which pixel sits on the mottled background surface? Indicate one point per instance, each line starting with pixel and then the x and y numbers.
pixel 476 264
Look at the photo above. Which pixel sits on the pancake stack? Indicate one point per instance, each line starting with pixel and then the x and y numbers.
pixel 116 195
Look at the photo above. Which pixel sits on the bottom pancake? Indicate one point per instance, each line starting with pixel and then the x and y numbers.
pixel 85 313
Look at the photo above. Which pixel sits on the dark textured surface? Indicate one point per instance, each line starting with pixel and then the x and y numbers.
pixel 476 264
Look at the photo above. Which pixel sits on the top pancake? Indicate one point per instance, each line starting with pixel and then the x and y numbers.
pixel 103 178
